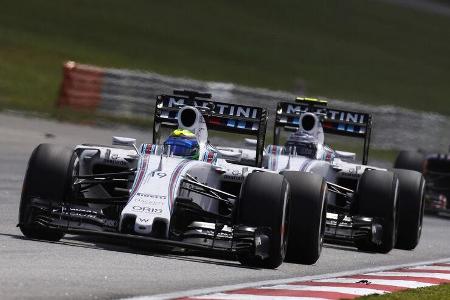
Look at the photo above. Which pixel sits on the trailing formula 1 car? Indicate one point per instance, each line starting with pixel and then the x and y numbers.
pixel 436 169
pixel 181 193
pixel 373 208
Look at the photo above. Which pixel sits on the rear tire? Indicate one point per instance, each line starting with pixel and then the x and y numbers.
pixel 48 177
pixel 308 210
pixel 264 202
pixel 377 198
pixel 409 160
pixel 410 208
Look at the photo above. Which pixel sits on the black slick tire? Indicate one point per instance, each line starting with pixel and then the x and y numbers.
pixel 377 198
pixel 308 208
pixel 410 208
pixel 409 160
pixel 48 177
pixel 264 202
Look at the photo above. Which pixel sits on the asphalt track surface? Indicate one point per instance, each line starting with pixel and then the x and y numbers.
pixel 87 268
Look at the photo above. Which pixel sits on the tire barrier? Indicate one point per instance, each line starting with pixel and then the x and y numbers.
pixel 81 86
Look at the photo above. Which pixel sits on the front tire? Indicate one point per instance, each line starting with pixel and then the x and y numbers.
pixel 264 202
pixel 410 208
pixel 377 198
pixel 307 217
pixel 48 178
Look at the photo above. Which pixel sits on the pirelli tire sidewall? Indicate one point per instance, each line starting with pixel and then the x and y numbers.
pixel 48 177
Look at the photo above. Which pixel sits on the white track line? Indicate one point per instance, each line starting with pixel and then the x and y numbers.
pixel 222 296
pixel 410 274
pixel 224 288
pixel 434 268
pixel 398 283
pixel 337 289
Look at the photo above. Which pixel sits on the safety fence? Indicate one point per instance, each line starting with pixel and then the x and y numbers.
pixel 129 93
pixel 133 93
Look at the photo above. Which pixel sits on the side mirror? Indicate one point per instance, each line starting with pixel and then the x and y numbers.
pixel 250 142
pixel 346 155
pixel 230 154
pixel 124 141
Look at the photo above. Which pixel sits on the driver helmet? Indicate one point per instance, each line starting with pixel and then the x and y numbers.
pixel 183 143
pixel 302 143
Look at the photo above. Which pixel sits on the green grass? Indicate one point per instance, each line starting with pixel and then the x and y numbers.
pixel 440 292
pixel 360 50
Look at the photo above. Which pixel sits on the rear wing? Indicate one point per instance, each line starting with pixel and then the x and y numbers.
pixel 335 121
pixel 219 116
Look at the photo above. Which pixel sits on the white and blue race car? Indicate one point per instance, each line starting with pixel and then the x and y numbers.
pixel 373 208
pixel 165 193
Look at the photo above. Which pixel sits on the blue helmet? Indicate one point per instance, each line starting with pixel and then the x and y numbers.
pixel 183 143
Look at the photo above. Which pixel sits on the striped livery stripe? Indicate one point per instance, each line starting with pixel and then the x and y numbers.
pixel 174 179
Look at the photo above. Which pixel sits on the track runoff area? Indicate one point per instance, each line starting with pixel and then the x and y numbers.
pixel 343 285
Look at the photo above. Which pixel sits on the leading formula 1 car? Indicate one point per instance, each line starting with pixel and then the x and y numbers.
pixel 436 169
pixel 156 195
pixel 373 208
